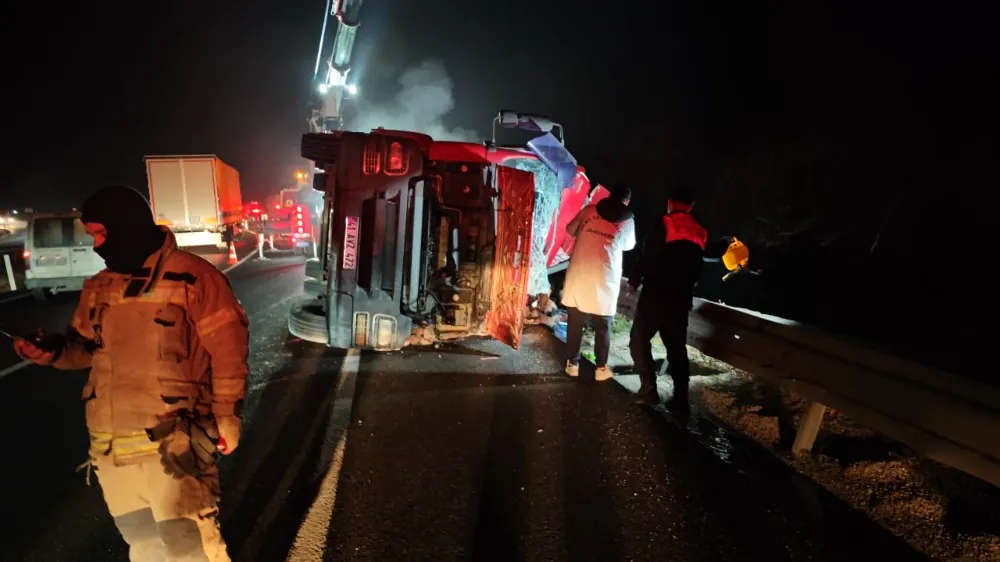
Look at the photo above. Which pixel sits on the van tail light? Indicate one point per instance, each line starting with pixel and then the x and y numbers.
pixel 26 256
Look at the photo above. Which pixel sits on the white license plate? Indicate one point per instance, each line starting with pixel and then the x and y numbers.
pixel 351 243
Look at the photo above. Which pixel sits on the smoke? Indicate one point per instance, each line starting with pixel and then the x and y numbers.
pixel 424 100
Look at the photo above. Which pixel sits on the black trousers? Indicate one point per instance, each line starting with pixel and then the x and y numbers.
pixel 574 335
pixel 670 322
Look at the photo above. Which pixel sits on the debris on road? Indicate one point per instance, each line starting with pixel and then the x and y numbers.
pixel 422 335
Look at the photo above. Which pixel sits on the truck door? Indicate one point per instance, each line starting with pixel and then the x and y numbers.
pixel 512 255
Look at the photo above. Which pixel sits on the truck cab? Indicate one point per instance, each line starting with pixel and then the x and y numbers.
pixel 416 230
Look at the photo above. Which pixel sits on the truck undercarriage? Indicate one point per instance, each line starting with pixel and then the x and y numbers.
pixel 409 240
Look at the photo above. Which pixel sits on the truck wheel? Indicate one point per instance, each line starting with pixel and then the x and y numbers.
pixel 306 320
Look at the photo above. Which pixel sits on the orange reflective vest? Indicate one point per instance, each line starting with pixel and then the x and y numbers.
pixel 680 225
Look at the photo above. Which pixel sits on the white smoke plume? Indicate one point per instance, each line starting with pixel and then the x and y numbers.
pixel 425 98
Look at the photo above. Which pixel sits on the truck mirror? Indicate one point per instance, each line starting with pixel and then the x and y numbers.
pixel 525 121
pixel 319 181
pixel 508 119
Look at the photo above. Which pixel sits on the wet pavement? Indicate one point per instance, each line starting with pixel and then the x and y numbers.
pixel 470 452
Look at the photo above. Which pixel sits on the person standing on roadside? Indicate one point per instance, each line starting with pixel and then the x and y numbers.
pixel 667 272
pixel 603 232
pixel 166 342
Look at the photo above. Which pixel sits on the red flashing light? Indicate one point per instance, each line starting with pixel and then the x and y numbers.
pixel 257 211
pixel 300 230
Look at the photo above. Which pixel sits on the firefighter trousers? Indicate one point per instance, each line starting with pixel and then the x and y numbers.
pixel 652 318
pixel 163 519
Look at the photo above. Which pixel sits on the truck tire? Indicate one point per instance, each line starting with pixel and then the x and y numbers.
pixel 307 321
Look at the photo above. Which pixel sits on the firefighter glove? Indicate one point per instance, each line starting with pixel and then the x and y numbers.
pixel 191 449
pixel 229 433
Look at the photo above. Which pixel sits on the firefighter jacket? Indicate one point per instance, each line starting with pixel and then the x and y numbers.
pixel 671 261
pixel 169 337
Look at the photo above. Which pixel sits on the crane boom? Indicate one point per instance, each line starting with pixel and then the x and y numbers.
pixel 333 86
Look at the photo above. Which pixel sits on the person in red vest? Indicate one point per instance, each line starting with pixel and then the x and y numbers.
pixel 667 272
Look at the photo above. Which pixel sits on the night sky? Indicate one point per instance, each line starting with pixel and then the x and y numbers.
pixel 806 127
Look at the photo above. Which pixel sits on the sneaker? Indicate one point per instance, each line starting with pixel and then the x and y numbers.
pixel 603 374
pixel 572 369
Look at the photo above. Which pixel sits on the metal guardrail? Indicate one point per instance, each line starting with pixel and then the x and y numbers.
pixel 939 415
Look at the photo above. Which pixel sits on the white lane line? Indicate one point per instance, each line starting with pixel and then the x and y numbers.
pixel 15 368
pixel 15 297
pixel 310 541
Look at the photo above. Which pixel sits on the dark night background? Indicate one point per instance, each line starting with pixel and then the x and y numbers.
pixel 808 128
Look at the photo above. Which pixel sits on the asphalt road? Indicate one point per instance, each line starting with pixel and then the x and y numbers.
pixel 470 452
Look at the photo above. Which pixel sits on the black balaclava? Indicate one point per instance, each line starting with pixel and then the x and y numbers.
pixel 133 235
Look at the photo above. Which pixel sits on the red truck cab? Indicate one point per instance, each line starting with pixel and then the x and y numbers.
pixel 415 230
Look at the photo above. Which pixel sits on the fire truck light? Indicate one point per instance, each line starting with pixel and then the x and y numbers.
pixel 300 230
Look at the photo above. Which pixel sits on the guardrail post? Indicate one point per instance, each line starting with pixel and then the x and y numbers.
pixel 260 247
pixel 270 242
pixel 315 251
pixel 805 437
pixel 10 272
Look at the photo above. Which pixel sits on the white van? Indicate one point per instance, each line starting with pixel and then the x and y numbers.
pixel 58 254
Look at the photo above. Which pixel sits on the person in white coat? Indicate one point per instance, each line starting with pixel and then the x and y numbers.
pixel 603 232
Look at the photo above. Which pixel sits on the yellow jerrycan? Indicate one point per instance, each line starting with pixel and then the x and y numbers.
pixel 736 259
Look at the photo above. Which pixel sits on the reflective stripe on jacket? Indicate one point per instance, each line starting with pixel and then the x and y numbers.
pixel 171 336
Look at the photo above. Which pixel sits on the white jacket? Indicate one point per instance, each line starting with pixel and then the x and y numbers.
pixel 603 232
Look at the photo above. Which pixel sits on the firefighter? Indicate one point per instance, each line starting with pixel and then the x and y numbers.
pixel 166 342
pixel 603 231
pixel 667 272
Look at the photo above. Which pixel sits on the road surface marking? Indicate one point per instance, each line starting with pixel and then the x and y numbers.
pixel 15 368
pixel 15 297
pixel 310 541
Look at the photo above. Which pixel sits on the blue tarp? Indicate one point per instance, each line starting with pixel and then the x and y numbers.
pixel 549 150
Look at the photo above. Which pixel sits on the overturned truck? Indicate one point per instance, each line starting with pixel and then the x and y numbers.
pixel 451 234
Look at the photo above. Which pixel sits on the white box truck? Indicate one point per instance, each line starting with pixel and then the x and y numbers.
pixel 197 197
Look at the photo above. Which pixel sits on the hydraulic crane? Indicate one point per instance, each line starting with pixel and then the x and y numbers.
pixel 331 84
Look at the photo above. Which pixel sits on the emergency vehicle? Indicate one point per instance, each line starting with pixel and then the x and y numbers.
pixel 291 227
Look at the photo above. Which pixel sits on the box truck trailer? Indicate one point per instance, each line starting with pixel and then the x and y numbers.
pixel 197 197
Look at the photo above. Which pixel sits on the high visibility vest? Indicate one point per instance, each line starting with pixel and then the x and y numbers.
pixel 680 225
